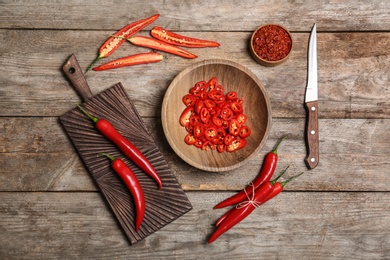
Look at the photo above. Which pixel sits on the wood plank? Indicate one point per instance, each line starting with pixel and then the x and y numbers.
pixel 197 15
pixel 296 225
pixel 37 156
pixel 353 73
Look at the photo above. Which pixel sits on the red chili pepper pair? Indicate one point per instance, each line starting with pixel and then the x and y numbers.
pixel 132 183
pixel 265 192
pixel 127 147
pixel 212 119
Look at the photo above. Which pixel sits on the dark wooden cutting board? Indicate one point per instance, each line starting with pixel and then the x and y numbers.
pixel 162 206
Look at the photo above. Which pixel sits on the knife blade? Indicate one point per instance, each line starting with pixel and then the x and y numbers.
pixel 311 104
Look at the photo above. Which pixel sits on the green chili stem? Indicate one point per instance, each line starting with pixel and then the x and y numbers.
pixel 275 150
pixel 285 182
pixel 94 119
pixel 280 175
pixel 112 158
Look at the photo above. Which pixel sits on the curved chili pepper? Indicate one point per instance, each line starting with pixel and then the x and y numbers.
pixel 240 212
pixel 132 183
pixel 265 174
pixel 274 182
pixel 180 40
pixel 113 42
pixel 141 58
pixel 155 44
pixel 128 148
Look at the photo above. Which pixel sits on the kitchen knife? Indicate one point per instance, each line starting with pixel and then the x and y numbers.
pixel 311 104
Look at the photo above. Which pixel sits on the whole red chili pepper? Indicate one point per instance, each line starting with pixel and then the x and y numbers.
pixel 155 44
pixel 132 183
pixel 274 181
pixel 180 40
pixel 128 148
pixel 240 212
pixel 112 43
pixel 265 174
pixel 141 58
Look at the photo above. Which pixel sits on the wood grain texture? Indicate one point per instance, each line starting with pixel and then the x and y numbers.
pixel 178 15
pixel 358 147
pixel 162 205
pixel 32 77
pixel 297 225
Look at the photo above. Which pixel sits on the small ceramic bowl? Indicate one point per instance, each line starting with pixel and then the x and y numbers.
pixel 256 105
pixel 271 44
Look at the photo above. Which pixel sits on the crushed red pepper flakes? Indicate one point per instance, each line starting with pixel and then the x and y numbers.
pixel 272 43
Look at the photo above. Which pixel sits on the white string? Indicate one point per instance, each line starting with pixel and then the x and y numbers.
pixel 250 200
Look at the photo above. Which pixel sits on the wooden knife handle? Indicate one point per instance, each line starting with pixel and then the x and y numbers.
pixel 76 76
pixel 312 137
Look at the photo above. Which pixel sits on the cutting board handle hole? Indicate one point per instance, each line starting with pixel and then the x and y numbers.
pixel 72 70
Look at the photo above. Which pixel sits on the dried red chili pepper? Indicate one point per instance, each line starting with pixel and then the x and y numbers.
pixel 155 44
pixel 127 147
pixel 112 43
pixel 136 59
pixel 134 186
pixel 266 172
pixel 180 40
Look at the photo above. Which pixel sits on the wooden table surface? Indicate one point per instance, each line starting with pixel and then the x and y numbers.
pixel 51 208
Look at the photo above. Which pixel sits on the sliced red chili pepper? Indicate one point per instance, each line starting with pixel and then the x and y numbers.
pixel 211 133
pixel 194 119
pixel 196 90
pixel 227 113
pixel 127 147
pixel 136 59
pixel 234 127
pixel 155 44
pixel 189 100
pixel 245 131
pixel 231 95
pixel 216 95
pixel 212 83
pixel 180 40
pixel 113 42
pixel 198 130
pixel 209 103
pixel 132 183
pixel 198 106
pixel 190 128
pixel 208 145
pixel 236 144
pixel 228 139
pixel 204 115
pixel 241 118
pixel 185 116
pixel 236 107
pixel 198 143
pixel 216 120
pixel 221 148
pixel 190 139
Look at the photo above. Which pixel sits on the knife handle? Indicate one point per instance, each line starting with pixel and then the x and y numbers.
pixel 312 139
pixel 74 73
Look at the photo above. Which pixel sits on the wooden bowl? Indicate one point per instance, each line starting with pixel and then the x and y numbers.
pixel 264 40
pixel 231 76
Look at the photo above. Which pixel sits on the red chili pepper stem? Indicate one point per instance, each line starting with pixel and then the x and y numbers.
pixel 292 178
pixel 280 175
pixel 275 150
pixel 112 158
pixel 94 119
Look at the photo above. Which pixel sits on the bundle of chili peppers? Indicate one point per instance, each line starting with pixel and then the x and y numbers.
pixel 162 40
pixel 127 175
pixel 259 191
